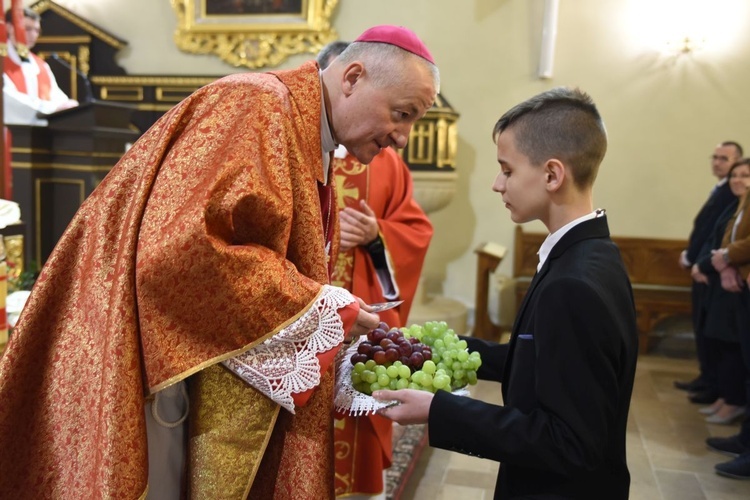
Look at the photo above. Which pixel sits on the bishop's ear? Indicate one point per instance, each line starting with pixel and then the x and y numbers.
pixel 352 74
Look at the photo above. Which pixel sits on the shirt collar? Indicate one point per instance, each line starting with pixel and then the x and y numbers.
pixel 327 142
pixel 553 238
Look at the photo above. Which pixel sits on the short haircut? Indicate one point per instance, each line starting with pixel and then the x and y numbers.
pixel 329 52
pixel 736 146
pixel 384 62
pixel 561 123
pixel 27 12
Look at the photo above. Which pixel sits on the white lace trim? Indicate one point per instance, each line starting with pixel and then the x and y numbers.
pixel 348 399
pixel 286 363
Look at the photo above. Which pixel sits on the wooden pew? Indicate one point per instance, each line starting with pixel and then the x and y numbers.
pixel 660 287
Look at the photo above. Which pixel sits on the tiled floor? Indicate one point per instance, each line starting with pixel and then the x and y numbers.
pixel 667 456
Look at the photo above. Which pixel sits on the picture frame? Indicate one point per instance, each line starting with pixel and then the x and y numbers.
pixel 253 33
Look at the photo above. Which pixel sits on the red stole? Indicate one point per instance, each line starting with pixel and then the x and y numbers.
pixel 15 73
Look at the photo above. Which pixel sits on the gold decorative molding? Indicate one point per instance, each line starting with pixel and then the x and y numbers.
pixel 44 5
pixel 186 81
pixel 14 256
pixel 250 39
pixel 61 166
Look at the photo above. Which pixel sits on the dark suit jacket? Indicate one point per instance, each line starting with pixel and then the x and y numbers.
pixel 705 221
pixel 567 376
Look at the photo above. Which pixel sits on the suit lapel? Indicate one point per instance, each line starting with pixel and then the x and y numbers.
pixel 594 228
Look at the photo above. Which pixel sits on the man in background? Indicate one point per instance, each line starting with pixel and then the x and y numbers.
pixel 29 87
pixel 383 242
pixel 724 156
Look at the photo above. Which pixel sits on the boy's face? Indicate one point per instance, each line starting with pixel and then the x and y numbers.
pixel 523 185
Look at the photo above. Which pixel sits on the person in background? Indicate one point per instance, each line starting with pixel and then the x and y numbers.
pixel 732 262
pixel 28 83
pixel 567 373
pixel 180 338
pixel 725 155
pixel 383 243
pixel 724 317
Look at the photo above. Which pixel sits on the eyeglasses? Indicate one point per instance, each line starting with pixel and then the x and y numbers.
pixel 719 157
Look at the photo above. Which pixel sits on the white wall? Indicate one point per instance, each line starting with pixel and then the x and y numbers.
pixel 664 115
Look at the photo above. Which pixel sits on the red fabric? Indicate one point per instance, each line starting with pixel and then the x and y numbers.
pixel 15 73
pixel 386 185
pixel 406 233
pixel 18 25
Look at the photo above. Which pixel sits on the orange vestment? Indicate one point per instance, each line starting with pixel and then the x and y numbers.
pixel 202 242
pixel 364 444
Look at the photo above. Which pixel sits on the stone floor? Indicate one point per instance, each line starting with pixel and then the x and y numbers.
pixel 667 456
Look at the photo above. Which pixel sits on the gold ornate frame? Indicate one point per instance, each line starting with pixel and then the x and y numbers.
pixel 253 40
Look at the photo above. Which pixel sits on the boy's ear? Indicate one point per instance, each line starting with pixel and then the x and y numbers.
pixel 555 174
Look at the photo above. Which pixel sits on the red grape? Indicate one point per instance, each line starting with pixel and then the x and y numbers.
pixel 391 354
pixel 416 359
pixel 364 348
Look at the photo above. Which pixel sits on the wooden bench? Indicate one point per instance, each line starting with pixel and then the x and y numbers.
pixel 661 288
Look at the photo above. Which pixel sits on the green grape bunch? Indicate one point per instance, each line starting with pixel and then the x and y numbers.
pixel 427 358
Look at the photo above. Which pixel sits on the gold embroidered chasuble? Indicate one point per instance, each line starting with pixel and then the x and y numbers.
pixel 202 242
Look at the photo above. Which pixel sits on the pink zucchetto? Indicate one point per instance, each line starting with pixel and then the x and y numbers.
pixel 399 36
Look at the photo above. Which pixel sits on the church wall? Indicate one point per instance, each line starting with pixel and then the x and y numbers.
pixel 664 114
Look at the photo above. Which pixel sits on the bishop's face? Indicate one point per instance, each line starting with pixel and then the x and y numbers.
pixel 371 117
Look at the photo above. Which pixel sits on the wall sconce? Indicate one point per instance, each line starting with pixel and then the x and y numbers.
pixel 686 45
pixel 680 27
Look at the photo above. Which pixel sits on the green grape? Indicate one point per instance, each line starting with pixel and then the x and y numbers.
pixel 364 388
pixel 369 376
pixel 356 378
pixel 359 367
pixel 380 370
pixel 402 383
pixel 370 364
pixel 471 376
pixel 455 366
pixel 393 384
pixel 417 377
pixel 429 367
pixel 374 387
pixel 384 379
pixel 439 344
pixel 404 372
pixel 462 356
pixel 392 371
pixel 440 381
pixel 426 381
